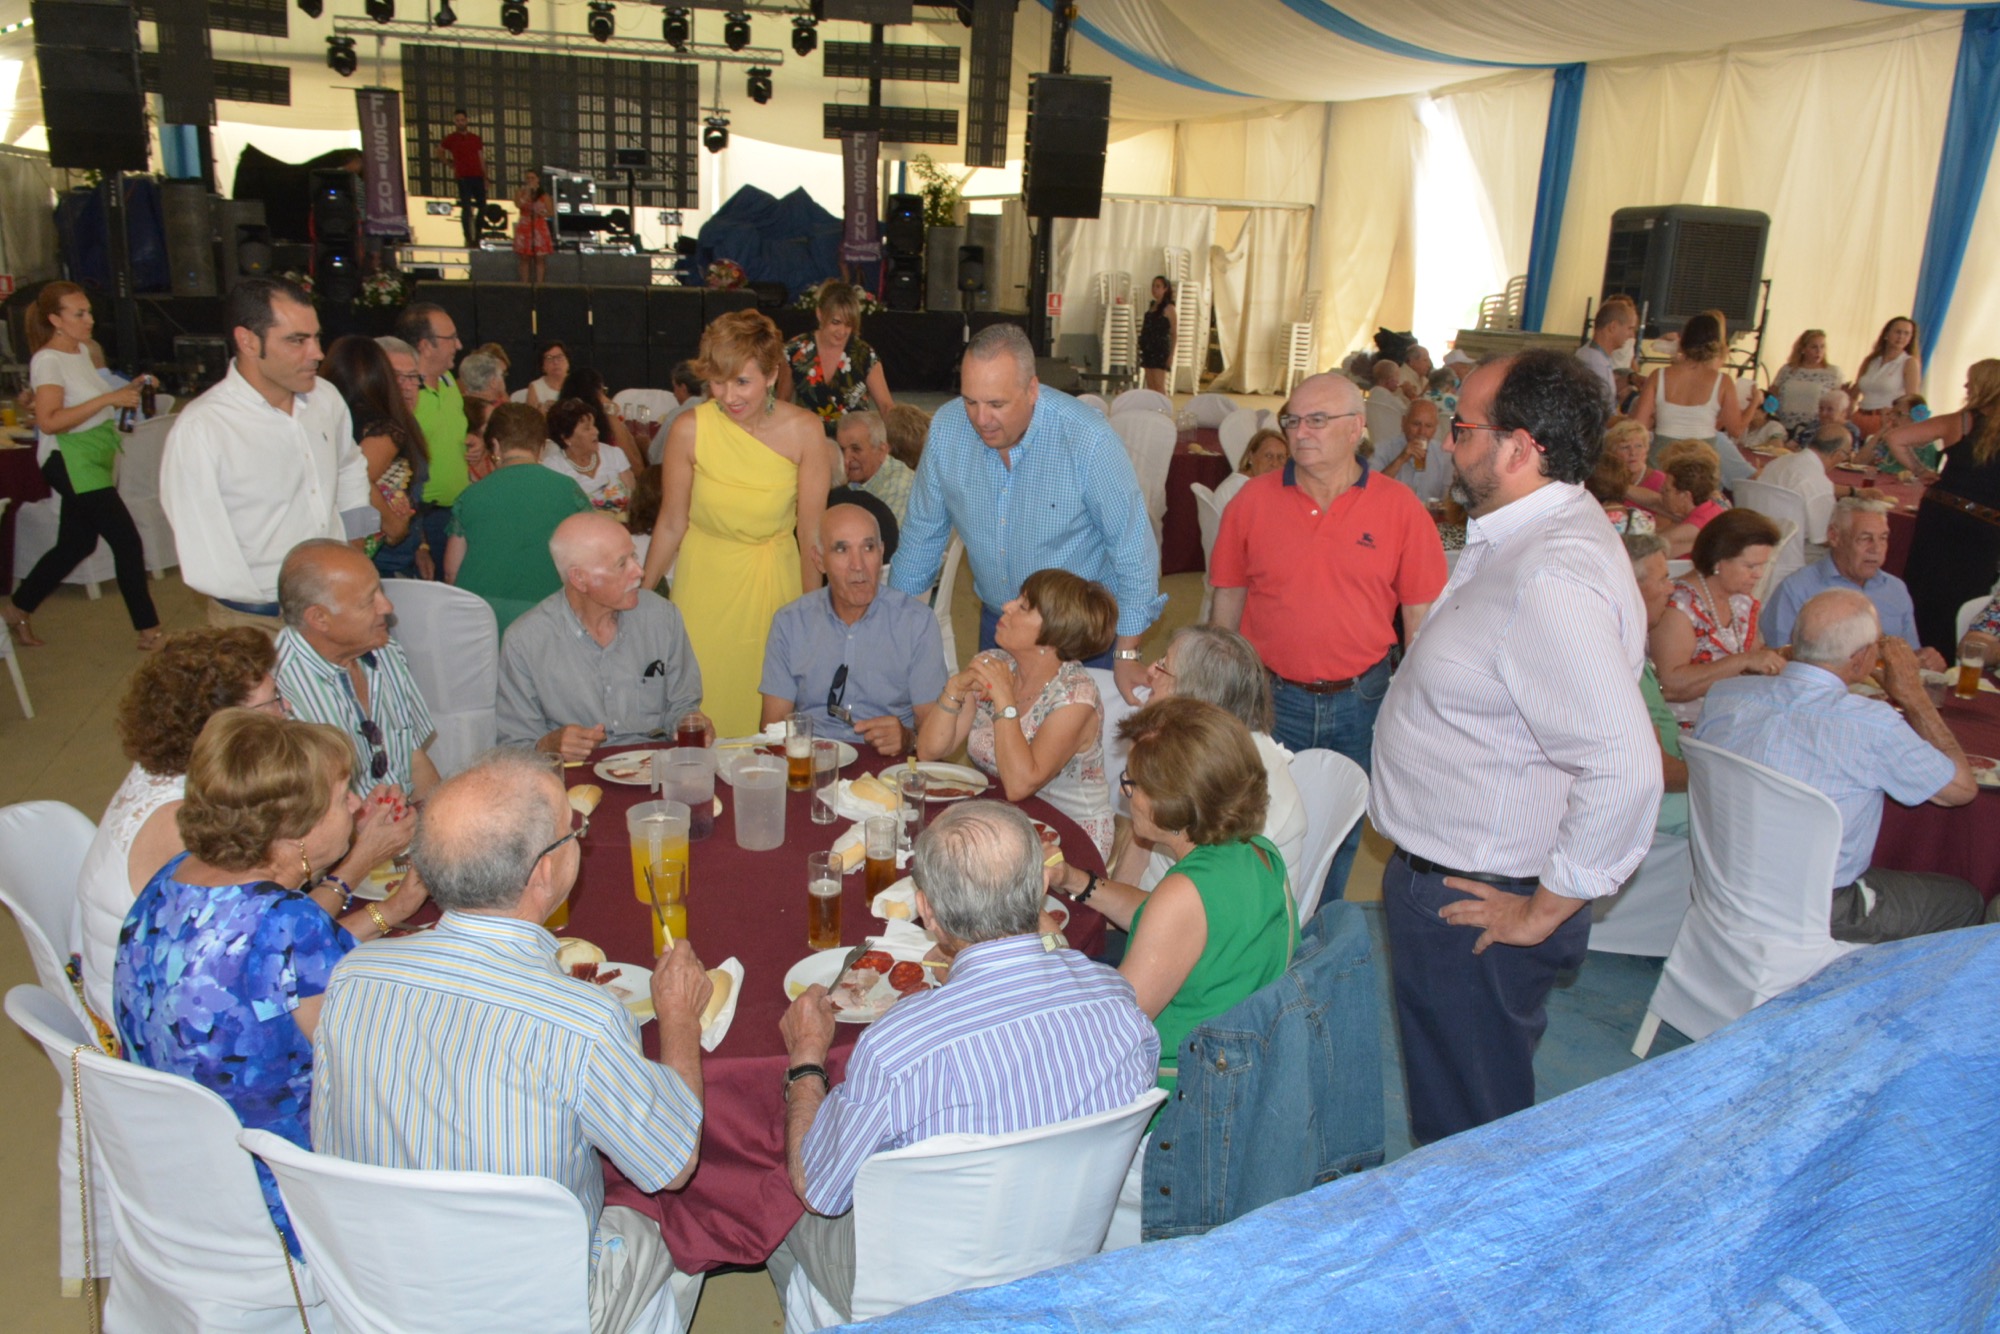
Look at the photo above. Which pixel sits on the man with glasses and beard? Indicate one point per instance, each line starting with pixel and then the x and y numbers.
pixel 1516 769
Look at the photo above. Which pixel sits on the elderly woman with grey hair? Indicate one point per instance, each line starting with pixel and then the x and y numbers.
pixel 1210 663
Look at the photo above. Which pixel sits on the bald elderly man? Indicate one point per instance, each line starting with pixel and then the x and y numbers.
pixel 601 661
pixel 1411 458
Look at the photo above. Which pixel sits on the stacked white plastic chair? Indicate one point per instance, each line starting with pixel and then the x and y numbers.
pixel 1764 848
pixel 1177 264
pixel 453 643
pixel 995 1208
pixel 395 1250
pixel 1117 328
pixel 1149 441
pixel 1301 339
pixel 1334 792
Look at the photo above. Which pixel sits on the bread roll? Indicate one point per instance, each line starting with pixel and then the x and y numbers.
pixel 874 792
pixel 571 951
pixel 724 983
pixel 583 798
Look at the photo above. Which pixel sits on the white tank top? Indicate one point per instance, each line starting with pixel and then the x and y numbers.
pixel 1678 421
pixel 104 885
pixel 1882 383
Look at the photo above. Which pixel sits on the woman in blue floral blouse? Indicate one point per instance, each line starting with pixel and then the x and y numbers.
pixel 832 371
pixel 222 961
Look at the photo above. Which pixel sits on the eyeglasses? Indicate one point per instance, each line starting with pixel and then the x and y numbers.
pixel 409 377
pixel 835 694
pixel 371 732
pixel 277 705
pixel 1318 421
pixel 1460 426
pixel 1125 784
pixel 1159 666
pixel 582 828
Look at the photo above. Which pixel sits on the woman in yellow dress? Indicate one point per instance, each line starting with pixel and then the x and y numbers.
pixel 741 475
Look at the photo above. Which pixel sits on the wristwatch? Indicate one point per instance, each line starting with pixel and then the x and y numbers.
pixel 794 1074
pixel 1009 712
pixel 1127 655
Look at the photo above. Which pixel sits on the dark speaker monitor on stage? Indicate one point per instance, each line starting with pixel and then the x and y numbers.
pixel 971 268
pixel 905 287
pixel 903 227
pixel 1677 260
pixel 184 206
pixel 87 53
pixel 1069 122
pixel 336 221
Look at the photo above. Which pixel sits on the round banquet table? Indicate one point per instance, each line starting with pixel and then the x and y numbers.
pixel 1902 520
pixel 1180 531
pixel 752 905
pixel 1960 840
pixel 21 481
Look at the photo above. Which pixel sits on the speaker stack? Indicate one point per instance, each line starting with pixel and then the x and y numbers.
pixel 243 242
pixel 1069 123
pixel 190 238
pixel 903 236
pixel 336 228
pixel 87 52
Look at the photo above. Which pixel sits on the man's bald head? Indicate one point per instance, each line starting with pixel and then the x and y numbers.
pixel 1420 421
pixel 313 575
pixel 1329 391
pixel 1833 627
pixel 587 541
pixel 482 832
pixel 1387 374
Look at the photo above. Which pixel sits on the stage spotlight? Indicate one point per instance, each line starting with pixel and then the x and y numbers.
pixel 514 16
pixel 759 85
pixel 805 35
pixel 446 15
pixel 736 30
pixel 603 21
pixel 340 57
pixel 676 27
pixel 382 11
pixel 716 137
pixel 312 9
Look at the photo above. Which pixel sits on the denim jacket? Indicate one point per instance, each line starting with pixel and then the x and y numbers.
pixel 1277 1095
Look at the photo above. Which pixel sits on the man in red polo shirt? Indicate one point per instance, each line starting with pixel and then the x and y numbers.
pixel 466 152
pixel 1311 564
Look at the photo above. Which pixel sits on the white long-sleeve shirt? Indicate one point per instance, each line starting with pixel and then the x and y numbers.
pixel 1513 740
pixel 243 483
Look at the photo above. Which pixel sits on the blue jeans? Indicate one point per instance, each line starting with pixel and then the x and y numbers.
pixel 436 523
pixel 1343 723
pixel 989 618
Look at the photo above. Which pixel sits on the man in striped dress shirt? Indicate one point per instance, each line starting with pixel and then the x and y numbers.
pixel 468 1048
pixel 1021 1035
pixel 1513 746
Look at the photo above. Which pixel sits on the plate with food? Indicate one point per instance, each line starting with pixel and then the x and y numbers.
pixel 862 797
pixel 1985 770
pixel 381 882
pixel 881 976
pixel 898 903
pixel 953 782
pixel 1052 853
pixel 632 768
pixel 631 985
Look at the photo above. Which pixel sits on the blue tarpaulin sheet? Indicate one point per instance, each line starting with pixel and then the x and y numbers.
pixel 1831 1161
pixel 791 240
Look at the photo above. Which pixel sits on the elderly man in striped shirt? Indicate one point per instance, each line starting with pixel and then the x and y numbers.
pixel 469 1049
pixel 1023 1033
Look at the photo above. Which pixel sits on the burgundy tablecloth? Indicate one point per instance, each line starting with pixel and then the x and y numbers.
pixel 752 905
pixel 1964 840
pixel 21 481
pixel 1180 538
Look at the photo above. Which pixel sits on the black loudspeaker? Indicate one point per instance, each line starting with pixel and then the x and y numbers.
pixel 673 320
pixel 721 301
pixel 906 288
pixel 618 316
pixel 903 228
pixel 243 242
pixel 505 312
pixel 87 52
pixel 1678 260
pixel 458 302
pixel 1069 122
pixel 184 206
pixel 564 312
pixel 336 223
pixel 971 268
pixel 623 366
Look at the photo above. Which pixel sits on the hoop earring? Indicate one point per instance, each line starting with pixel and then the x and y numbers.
pixel 305 864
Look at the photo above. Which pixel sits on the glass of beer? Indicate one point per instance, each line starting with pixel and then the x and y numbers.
pixel 667 883
pixel 1971 665
pixel 879 845
pixel 798 752
pixel 822 901
pixel 914 790
pixel 826 768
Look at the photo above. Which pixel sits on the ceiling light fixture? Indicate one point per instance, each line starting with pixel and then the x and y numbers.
pixel 603 21
pixel 446 15
pixel 340 57
pixel 759 85
pixel 514 16
pixel 382 11
pixel 805 35
pixel 677 27
pixel 736 30
pixel 716 137
pixel 312 9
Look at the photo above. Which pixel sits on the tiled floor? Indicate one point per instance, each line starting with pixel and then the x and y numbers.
pixel 68 753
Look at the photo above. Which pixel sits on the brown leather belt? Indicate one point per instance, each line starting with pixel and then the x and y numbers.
pixel 1321 687
pixel 1983 513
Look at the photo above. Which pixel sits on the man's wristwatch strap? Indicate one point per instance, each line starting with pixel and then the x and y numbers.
pixel 795 1073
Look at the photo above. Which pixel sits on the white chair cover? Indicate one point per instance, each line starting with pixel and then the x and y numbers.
pixel 659 402
pixel 1095 401
pixel 1235 432
pixel 954 556
pixel 1210 409
pixel 395 1250
pixel 453 643
pixel 1677 568
pixel 1968 612
pixel 139 488
pixel 7 650
pixel 1783 506
pixel 1334 791
pixel 995 1208
pixel 1149 442
pixel 50 1017
pixel 1209 515
pixel 1142 400
pixel 196 1248
pixel 1645 915
pixel 1764 847
pixel 1115 711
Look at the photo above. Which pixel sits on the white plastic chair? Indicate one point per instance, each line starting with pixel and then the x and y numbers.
pixel 995 1208
pixel 1645 915
pixel 1208 513
pixel 1764 848
pixel 1334 791
pixel 1095 401
pixel 1677 568
pixel 1149 442
pixel 1235 432
pixel 139 488
pixel 395 1250
pixel 954 556
pixel 1210 409
pixel 452 641
pixel 1968 612
pixel 1786 508
pixel 196 1247
pixel 1115 711
pixel 657 402
pixel 8 651
pixel 1142 400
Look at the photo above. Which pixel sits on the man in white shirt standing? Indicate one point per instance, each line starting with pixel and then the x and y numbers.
pixel 1515 767
pixel 262 461
pixel 1808 475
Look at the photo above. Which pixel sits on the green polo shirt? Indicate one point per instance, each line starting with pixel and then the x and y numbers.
pixel 1673 817
pixel 441 415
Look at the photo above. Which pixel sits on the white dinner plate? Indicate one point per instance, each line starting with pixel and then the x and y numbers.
pixel 1985 772
pixel 733 746
pixel 379 883
pixel 631 768
pixel 633 987
pixel 959 776
pixel 823 967
pixel 903 895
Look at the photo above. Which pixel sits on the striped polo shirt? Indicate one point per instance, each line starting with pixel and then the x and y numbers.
pixel 1019 1037
pixel 468 1049
pixel 320 692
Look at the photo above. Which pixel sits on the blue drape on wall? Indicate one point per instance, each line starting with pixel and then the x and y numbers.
pixel 1558 152
pixel 1961 177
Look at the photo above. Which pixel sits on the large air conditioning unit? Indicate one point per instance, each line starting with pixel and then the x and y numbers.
pixel 1677 260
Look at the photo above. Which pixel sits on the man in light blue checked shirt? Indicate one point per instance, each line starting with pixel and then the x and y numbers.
pixel 1032 480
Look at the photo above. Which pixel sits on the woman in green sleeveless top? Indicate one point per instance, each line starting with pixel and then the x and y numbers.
pixel 1222 924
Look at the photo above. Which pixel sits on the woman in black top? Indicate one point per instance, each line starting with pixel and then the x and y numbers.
pixel 1156 336
pixel 392 442
pixel 1955 551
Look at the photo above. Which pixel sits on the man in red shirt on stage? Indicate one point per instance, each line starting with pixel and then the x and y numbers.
pixel 466 152
pixel 1312 564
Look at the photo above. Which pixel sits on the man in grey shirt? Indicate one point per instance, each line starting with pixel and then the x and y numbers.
pixel 599 662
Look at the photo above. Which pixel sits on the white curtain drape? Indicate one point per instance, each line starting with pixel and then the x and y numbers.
pixel 1127 237
pixel 1972 327
pixel 1258 285
pixel 1365 259
pixel 1503 121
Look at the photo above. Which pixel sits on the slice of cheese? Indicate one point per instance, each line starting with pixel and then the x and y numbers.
pixel 724 983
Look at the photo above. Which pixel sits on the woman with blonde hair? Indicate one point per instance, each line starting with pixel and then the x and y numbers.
pixel 1805 375
pixel 741 475
pixel 1955 551
pixel 831 372
pixel 1266 451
